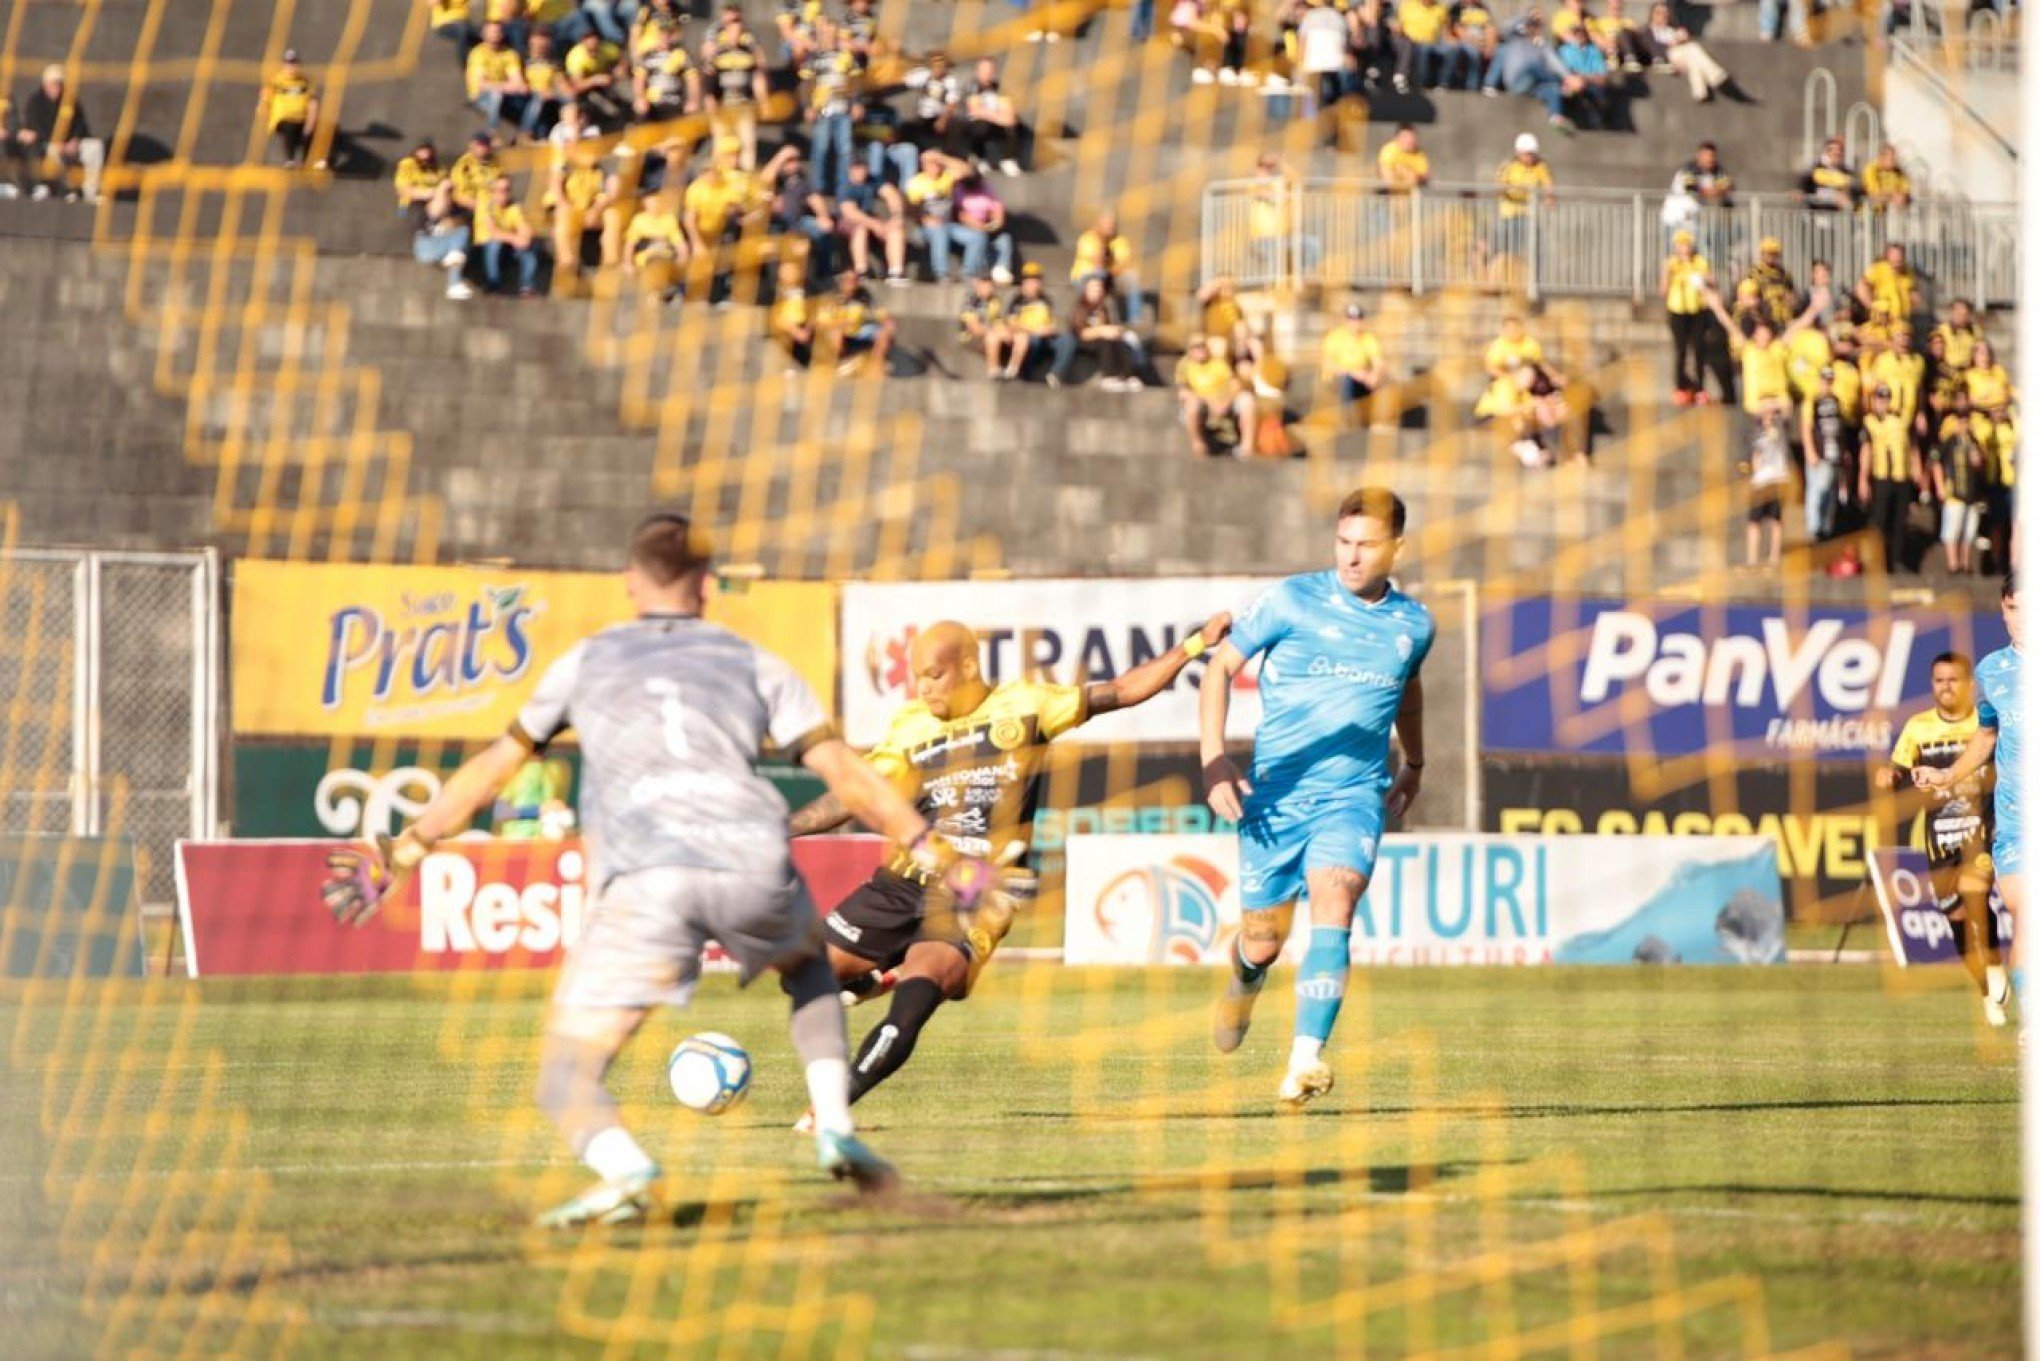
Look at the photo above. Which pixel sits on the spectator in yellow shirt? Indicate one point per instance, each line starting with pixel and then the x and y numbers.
pixel 1990 387
pixel 502 229
pixel 849 324
pixel 1766 356
pixel 1523 178
pixel 1223 320
pixel 598 78
pixel 580 195
pixel 1427 53
pixel 1104 254
pixel 715 209
pixel 1683 281
pixel 1888 475
pixel 1513 348
pixel 1959 335
pixel 1402 164
pixel 290 105
pixel 791 323
pixel 1890 281
pixel 453 21
pixel 495 77
pixel 1034 331
pixel 419 176
pixel 545 82
pixel 1350 359
pixel 655 247
pixel 1903 370
pixel 665 83
pixel 474 172
pixel 1885 183
pixel 1208 391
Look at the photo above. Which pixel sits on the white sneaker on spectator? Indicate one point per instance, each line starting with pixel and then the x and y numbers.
pixel 1051 36
pixel 1202 76
pixel 897 281
pixel 1009 167
pixel 984 167
pixel 1402 83
pixel 459 290
pixel 8 191
pixel 1491 92
pixel 1037 36
pixel 1249 80
pixel 1276 83
pixel 40 192
pixel 455 262
pixel 1228 76
pixel 1001 275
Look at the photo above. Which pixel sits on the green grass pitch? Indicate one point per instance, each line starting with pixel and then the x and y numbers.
pixel 1589 1163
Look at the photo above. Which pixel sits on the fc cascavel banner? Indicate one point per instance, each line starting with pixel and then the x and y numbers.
pixel 1068 632
pixel 1448 899
pixel 329 649
pixel 1663 678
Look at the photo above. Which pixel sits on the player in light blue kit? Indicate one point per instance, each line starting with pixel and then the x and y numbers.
pixel 1999 737
pixel 1340 652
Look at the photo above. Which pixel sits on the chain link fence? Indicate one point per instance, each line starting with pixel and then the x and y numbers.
pixel 109 671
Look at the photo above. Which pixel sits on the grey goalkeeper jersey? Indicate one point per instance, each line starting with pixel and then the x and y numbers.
pixel 672 713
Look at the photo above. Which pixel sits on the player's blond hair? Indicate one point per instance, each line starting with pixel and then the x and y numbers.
pixel 1378 503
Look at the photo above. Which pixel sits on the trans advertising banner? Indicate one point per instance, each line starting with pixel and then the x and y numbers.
pixel 1448 899
pixel 1565 676
pixel 253 907
pixel 1066 632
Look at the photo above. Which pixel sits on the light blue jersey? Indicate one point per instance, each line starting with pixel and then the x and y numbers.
pixel 1332 678
pixel 1998 708
pixel 1333 669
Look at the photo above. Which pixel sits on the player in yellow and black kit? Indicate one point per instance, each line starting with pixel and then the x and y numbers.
pixel 969 755
pixel 1955 825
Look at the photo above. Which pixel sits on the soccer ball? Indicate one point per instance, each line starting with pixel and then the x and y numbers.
pixel 710 1072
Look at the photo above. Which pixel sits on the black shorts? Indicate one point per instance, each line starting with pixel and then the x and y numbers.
pixel 884 916
pixel 1767 503
pixel 1955 847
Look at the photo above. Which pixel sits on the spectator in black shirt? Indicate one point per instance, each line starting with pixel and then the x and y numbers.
pixel 1098 329
pixel 51 127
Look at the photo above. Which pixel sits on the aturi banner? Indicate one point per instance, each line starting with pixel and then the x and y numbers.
pixel 1449 899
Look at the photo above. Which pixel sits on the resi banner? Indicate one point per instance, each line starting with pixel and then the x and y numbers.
pixel 1068 632
pixel 252 907
pixel 1674 679
pixel 1448 899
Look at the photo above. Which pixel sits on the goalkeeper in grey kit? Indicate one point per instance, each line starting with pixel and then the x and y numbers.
pixel 687 843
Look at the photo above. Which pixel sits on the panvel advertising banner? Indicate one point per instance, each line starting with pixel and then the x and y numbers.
pixel 1448 899
pixel 253 907
pixel 1066 632
pixel 1563 676
pixel 336 649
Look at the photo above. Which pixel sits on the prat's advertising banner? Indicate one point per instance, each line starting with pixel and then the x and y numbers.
pixel 1453 898
pixel 1916 925
pixel 334 649
pixel 1065 632
pixel 253 907
pixel 1821 818
pixel 1572 676
pixel 340 787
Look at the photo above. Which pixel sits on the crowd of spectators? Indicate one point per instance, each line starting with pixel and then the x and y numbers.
pixel 1578 64
pixel 1896 414
pixel 44 136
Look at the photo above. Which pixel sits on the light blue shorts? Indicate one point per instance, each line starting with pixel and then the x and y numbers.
pixel 2004 844
pixel 1281 842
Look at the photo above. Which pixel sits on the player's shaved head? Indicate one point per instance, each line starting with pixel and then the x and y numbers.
pixel 947 641
pixel 944 660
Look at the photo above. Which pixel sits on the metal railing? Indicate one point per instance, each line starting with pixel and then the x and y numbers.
pixel 1268 233
pixel 1982 39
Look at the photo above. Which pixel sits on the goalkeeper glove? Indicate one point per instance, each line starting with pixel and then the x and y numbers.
pixel 358 878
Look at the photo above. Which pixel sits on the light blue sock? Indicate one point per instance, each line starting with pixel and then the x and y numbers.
pixel 2019 985
pixel 1321 983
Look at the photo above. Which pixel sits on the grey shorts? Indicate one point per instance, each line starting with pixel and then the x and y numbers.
pixel 642 938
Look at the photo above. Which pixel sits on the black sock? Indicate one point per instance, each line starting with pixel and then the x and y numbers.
pixel 891 1042
pixel 1242 970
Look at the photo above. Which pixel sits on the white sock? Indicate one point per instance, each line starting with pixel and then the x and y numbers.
pixel 828 1087
pixel 1304 1051
pixel 1994 979
pixel 613 1154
